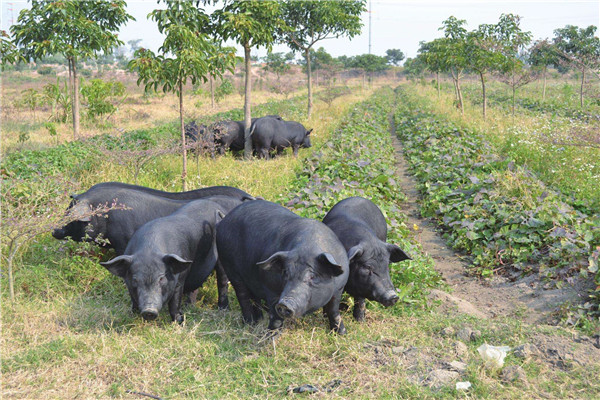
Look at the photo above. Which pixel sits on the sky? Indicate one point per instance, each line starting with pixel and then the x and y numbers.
pixel 400 24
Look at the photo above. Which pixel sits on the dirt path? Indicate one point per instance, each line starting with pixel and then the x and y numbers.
pixel 527 299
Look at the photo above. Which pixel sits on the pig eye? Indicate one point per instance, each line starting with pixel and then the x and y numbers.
pixel 162 280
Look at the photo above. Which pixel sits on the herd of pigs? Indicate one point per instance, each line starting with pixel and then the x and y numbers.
pixel 167 244
pixel 269 133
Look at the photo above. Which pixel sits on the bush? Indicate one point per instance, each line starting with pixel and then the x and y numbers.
pixel 224 89
pixel 101 95
pixel 45 71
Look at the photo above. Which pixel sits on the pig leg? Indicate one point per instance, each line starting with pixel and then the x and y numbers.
pixel 332 309
pixel 245 300
pixel 222 287
pixel 359 309
pixel 295 148
pixel 175 305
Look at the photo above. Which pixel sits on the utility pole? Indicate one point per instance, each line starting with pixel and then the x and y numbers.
pixel 370 15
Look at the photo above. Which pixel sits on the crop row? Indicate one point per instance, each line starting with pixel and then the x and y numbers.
pixel 358 160
pixel 498 212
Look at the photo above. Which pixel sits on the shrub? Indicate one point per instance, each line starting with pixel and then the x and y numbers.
pixel 101 95
pixel 224 89
pixel 45 71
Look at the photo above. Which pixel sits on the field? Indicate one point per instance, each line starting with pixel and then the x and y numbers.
pixel 508 211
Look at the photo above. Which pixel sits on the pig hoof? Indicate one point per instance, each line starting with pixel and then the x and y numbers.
pixel 224 304
pixel 360 317
pixel 340 329
pixel 178 318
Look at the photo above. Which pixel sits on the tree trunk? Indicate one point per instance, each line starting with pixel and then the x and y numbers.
pixel 483 92
pixel 75 99
pixel 247 115
pixel 309 82
pixel 212 92
pixel 514 89
pixel 581 89
pixel 460 99
pixel 437 78
pixel 544 88
pixel 11 280
pixel 183 149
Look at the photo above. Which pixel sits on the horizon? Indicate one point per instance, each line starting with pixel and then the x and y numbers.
pixel 394 24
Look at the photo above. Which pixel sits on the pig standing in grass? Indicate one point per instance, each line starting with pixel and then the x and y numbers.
pixel 170 256
pixel 297 265
pixel 141 205
pixel 361 227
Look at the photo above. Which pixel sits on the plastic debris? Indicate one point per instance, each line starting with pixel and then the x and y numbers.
pixel 463 385
pixel 493 356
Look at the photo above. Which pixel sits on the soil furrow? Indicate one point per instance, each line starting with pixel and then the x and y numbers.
pixel 528 298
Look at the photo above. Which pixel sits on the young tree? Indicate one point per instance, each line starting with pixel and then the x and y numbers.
pixel 313 21
pixel 512 41
pixel 414 67
pixel 250 23
pixel 9 54
pixel 580 47
pixel 77 29
pixel 394 56
pixel 484 56
pixel 541 55
pixel 186 54
pixel 455 53
pixel 432 55
pixel 277 63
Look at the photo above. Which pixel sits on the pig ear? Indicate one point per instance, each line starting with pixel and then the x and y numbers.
pixel 327 260
pixel 119 265
pixel 396 253
pixel 176 263
pixel 277 261
pixel 355 252
pixel 309 132
pixel 219 215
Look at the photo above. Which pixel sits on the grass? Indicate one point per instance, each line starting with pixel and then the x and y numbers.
pixel 70 333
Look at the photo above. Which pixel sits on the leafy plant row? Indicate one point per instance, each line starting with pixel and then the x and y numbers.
pixel 496 211
pixel 358 160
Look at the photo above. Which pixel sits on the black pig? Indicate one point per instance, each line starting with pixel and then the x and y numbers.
pixel 170 256
pixel 361 227
pixel 295 264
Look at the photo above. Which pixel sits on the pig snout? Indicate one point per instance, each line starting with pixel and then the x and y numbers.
pixel 150 314
pixel 58 234
pixel 389 298
pixel 285 308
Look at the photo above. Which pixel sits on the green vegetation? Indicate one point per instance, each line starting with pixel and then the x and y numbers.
pixel 70 332
pixel 492 209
